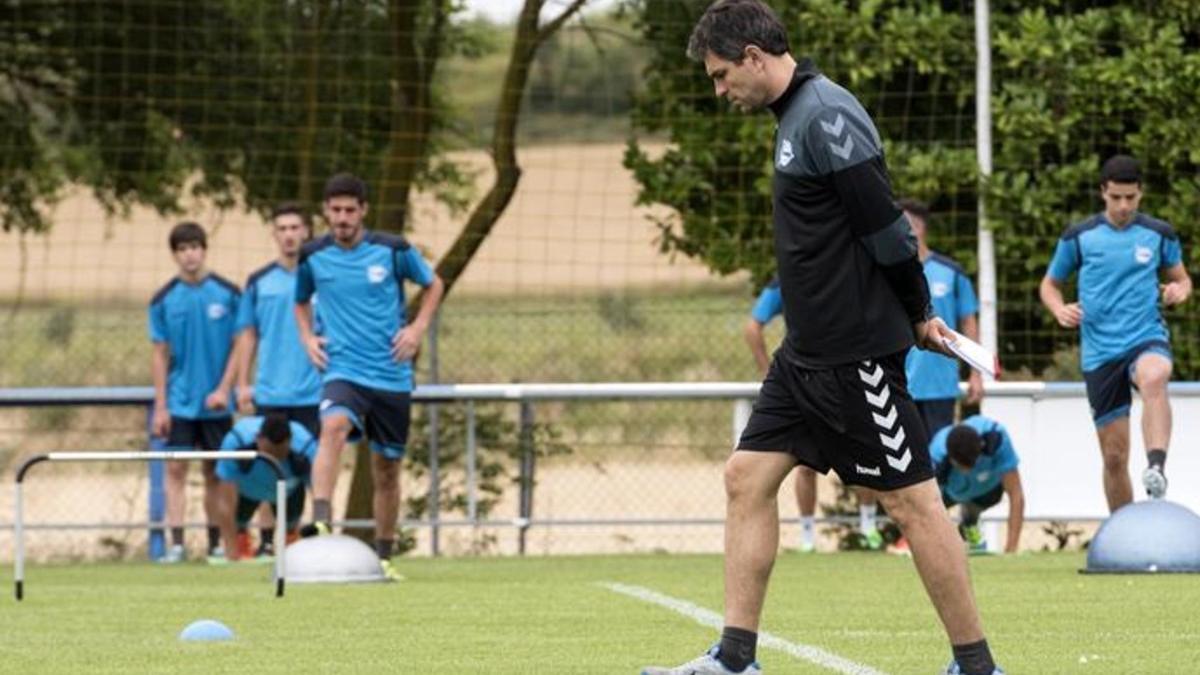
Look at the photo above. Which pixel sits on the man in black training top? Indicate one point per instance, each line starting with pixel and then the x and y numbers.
pixel 855 300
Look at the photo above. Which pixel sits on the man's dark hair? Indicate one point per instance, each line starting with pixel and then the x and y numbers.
pixel 1120 169
pixel 346 185
pixel 276 428
pixel 727 27
pixel 187 233
pixel 963 445
pixel 292 209
pixel 916 207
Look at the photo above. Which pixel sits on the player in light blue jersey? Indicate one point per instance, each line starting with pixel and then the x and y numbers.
pixel 932 377
pixel 269 342
pixel 976 465
pixel 1127 262
pixel 366 351
pixel 768 306
pixel 248 483
pixel 191 322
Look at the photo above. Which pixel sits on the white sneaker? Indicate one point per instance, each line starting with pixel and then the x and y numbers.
pixel 1155 482
pixel 705 665
pixel 174 555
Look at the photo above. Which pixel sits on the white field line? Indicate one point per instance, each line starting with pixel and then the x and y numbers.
pixel 711 619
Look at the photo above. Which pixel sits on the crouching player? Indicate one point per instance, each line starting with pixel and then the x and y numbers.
pixel 244 484
pixel 976 465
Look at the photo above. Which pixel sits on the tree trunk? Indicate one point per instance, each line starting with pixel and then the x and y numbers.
pixel 504 156
pixel 413 64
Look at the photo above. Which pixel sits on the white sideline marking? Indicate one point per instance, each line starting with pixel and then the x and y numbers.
pixel 711 619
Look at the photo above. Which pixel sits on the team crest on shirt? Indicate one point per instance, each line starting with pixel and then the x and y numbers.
pixel 1142 254
pixel 939 289
pixel 216 311
pixel 376 273
pixel 785 153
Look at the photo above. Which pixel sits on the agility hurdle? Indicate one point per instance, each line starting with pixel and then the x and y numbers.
pixel 126 456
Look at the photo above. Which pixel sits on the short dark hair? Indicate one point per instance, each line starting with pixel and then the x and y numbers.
pixel 187 232
pixel 1121 169
pixel 727 27
pixel 292 209
pixel 963 445
pixel 346 185
pixel 916 207
pixel 276 428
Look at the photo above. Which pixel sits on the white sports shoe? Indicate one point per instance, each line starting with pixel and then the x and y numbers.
pixel 705 665
pixel 1155 482
pixel 175 554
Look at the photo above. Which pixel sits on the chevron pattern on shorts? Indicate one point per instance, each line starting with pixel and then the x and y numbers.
pixel 885 416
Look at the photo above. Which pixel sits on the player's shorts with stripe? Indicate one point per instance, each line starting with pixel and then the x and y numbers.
pixel 307 416
pixel 381 416
pixel 1109 385
pixel 855 418
pixel 205 434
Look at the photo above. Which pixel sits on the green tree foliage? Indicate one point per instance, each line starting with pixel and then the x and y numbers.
pixel 247 101
pixel 1074 82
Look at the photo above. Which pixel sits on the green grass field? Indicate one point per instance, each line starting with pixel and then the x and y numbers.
pixel 553 615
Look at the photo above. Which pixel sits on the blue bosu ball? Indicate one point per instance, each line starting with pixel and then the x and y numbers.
pixel 1147 537
pixel 206 630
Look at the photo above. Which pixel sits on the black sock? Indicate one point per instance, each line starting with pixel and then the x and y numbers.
pixel 322 511
pixel 177 536
pixel 214 538
pixel 974 658
pixel 1157 458
pixel 737 648
pixel 266 536
pixel 383 548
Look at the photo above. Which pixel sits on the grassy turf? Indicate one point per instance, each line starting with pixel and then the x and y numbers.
pixel 544 615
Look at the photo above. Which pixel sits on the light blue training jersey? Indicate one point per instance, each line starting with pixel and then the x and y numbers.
pixel 932 376
pixel 254 478
pixel 998 458
pixel 362 305
pixel 1118 282
pixel 283 375
pixel 196 321
pixel 769 303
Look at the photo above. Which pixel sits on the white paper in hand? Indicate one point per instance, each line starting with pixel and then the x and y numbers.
pixel 974 354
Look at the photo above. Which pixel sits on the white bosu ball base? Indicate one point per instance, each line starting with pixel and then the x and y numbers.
pixel 331 559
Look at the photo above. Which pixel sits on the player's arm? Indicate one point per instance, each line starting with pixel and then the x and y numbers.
pixel 847 151
pixel 245 349
pixel 160 363
pixel 1011 482
pixel 1065 261
pixel 1179 285
pixel 1068 315
pixel 753 333
pixel 314 345
pixel 218 399
pixel 408 340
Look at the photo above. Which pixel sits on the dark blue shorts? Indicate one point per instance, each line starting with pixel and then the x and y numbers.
pixel 295 507
pixel 381 416
pixel 306 416
pixel 936 413
pixel 1109 386
pixel 187 434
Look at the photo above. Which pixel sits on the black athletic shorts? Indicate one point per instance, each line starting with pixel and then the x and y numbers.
pixel 856 418
pixel 307 416
pixel 295 506
pixel 1109 386
pixel 984 501
pixel 936 413
pixel 381 416
pixel 187 434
